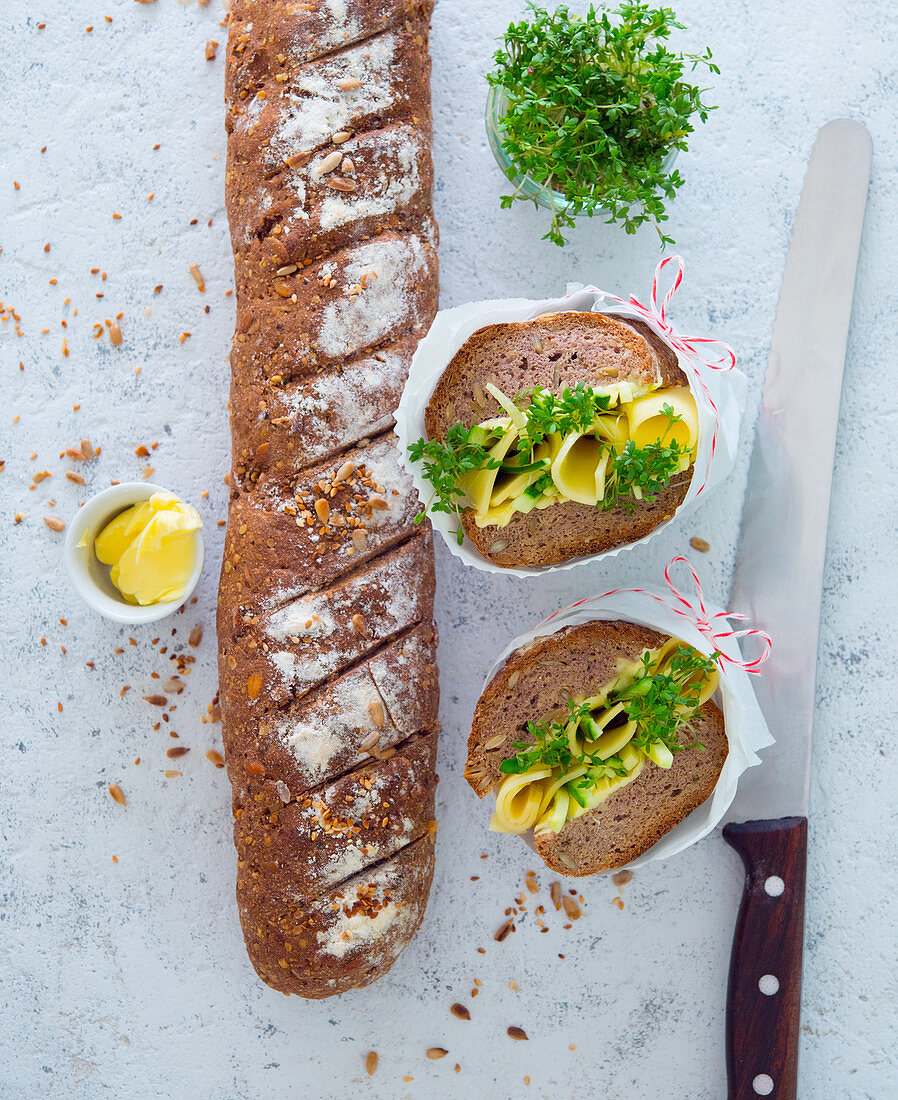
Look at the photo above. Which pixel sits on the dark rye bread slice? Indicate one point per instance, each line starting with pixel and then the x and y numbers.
pixel 346 938
pixel 269 658
pixel 267 38
pixel 388 697
pixel 336 830
pixel 554 351
pixel 307 420
pixel 571 530
pixel 539 679
pixel 360 298
pixel 333 516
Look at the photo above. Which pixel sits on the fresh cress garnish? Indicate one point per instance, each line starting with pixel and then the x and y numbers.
pixel 660 703
pixel 594 106
pixel 445 463
pixel 574 411
pixel 634 473
pixel 550 746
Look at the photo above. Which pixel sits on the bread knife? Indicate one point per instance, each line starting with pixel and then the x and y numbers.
pixel 777 584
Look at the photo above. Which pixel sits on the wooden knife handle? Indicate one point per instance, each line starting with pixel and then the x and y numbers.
pixel 764 995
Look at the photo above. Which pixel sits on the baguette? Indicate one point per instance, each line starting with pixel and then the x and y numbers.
pixel 556 351
pixel 327 647
pixel 572 664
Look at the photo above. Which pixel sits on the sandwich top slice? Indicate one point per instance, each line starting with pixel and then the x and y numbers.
pixel 599 739
pixel 559 437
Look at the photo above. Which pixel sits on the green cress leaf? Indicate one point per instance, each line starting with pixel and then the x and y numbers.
pixel 595 104
pixel 444 465
pixel 650 468
pixel 661 703
pixel 574 411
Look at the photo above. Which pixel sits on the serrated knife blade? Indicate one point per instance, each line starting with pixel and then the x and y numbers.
pixel 777 584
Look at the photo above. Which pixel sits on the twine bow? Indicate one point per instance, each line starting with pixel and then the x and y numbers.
pixel 693 348
pixel 694 611
pixel 696 347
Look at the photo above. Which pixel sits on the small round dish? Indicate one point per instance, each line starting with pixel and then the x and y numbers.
pixel 547 197
pixel 90 578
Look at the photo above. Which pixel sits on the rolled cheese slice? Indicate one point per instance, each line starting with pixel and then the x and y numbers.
pixel 518 801
pixel 478 485
pixel 576 469
pixel 613 429
pixel 649 424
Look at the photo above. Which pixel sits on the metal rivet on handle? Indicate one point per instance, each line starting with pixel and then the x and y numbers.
pixel 774 886
pixel 769 984
pixel 762 1084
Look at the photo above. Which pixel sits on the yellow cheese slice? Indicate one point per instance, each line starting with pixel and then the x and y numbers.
pixel 550 790
pixel 574 470
pixel 478 485
pixel 518 800
pixel 612 741
pixel 601 473
pixel 648 424
pixel 495 517
pixel 615 429
pixel 631 758
pixel 516 416
pixel 554 819
pixel 508 485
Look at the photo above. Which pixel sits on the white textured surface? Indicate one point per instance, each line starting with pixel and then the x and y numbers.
pixel 130 979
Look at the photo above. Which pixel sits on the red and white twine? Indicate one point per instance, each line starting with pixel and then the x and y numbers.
pixel 695 612
pixel 694 349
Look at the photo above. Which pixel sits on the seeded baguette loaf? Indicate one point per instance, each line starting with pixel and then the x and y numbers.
pixel 555 350
pixel 327 646
pixel 575 662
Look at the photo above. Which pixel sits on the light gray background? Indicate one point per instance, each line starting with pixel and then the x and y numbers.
pixel 130 979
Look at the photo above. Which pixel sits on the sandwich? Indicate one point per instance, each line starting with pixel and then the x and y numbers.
pixel 596 741
pixel 559 437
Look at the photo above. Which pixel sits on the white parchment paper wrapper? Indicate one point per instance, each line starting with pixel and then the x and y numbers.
pixel 452 327
pixel 746 729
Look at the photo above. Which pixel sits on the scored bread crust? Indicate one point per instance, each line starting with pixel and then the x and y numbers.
pixel 555 350
pixel 327 646
pixel 537 680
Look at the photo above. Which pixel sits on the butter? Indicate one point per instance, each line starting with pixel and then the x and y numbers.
pixel 151 548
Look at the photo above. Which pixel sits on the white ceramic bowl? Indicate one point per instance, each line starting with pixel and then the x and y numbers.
pixel 90 578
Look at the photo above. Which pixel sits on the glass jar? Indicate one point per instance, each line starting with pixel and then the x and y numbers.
pixel 547 197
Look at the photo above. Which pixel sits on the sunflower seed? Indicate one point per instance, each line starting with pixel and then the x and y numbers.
pixel 340 184
pixel 370 741
pixel 330 162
